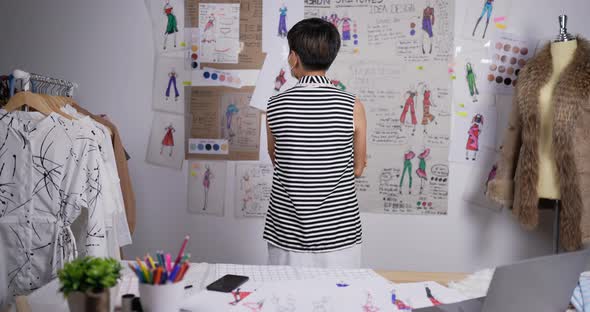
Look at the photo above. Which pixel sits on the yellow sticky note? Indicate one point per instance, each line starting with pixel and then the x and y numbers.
pixel 500 26
pixel 183 44
pixel 462 114
pixel 453 77
pixel 461 105
pixel 420 67
pixel 187 83
pixel 194 174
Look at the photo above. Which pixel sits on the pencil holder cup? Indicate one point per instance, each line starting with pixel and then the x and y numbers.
pixel 161 298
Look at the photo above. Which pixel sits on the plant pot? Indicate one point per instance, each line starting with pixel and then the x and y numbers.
pixel 89 302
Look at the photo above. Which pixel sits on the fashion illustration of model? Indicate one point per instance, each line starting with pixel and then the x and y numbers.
pixel 207 178
pixel 473 136
pixel 168 140
pixel 488 7
pixel 208 32
pixel 346 30
pixel 471 82
pixel 171 25
pixel 409 105
pixel 427 117
pixel 283 21
pixel 408 156
pixel 433 300
pixel 172 83
pixel 427 23
pixel 421 171
pixel 247 188
pixel 280 80
pixel 231 110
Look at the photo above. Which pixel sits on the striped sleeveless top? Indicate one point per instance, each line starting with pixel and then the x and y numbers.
pixel 313 204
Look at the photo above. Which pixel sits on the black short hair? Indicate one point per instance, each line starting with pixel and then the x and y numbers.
pixel 316 41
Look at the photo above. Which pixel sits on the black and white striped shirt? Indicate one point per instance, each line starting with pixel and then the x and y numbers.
pixel 313 204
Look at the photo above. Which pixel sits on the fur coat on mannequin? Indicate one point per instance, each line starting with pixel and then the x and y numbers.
pixel 515 183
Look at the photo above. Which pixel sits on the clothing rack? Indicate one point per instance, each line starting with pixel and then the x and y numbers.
pixel 30 79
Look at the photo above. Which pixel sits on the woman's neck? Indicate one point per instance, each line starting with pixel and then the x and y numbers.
pixel 312 73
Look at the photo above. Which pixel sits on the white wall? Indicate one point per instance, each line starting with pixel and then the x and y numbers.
pixel 106 47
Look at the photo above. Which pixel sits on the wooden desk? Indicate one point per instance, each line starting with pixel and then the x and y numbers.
pixel 413 277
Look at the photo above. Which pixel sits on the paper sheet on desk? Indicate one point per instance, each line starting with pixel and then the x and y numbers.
pixel 326 295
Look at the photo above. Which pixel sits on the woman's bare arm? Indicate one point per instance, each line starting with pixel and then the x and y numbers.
pixel 360 138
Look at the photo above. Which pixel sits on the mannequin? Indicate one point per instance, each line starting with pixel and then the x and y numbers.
pixel 562 50
pixel 544 160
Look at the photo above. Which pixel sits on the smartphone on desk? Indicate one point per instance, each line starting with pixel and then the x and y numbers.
pixel 228 283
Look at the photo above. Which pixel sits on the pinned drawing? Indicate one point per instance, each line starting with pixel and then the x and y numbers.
pixel 408 156
pixel 488 7
pixel 471 81
pixel 427 24
pixel 162 148
pixel 280 80
pixel 474 132
pixel 239 123
pixel 253 186
pixel 321 305
pixel 283 21
pixel 206 188
pixel 230 112
pixel 421 171
pixel 172 83
pixel 171 24
pixel 169 77
pixel 168 140
pixel 220 37
pixel 287 305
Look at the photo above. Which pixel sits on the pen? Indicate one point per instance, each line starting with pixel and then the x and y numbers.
pixel 181 251
pixel 168 263
pixel 151 261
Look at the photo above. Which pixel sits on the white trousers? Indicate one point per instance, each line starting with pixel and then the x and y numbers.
pixel 349 258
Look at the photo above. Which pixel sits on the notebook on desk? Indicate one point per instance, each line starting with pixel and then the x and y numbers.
pixel 534 285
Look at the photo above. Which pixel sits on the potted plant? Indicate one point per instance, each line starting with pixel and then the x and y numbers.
pixel 85 283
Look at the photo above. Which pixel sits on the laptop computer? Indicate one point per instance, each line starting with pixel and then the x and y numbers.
pixel 533 285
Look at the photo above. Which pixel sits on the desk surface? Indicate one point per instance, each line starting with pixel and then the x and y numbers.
pixel 412 277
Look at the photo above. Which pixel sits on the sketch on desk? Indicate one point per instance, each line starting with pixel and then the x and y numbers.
pixel 206 187
pixel 253 187
pixel 369 305
pixel 431 297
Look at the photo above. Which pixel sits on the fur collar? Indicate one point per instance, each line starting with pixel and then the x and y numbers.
pixel 570 96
